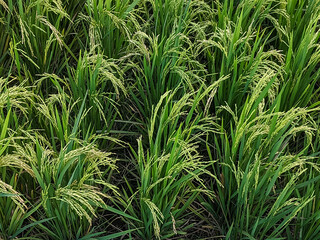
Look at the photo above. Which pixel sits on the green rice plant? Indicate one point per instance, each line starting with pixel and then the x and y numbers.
pixel 302 61
pixel 69 182
pixel 5 39
pixel 13 212
pixel 37 30
pixel 257 15
pixel 13 95
pixel 168 167
pixel 299 16
pixel 58 123
pixel 14 208
pixel 9 198
pixel 15 102
pixel 72 173
pixel 259 171
pixel 166 17
pixel 12 205
pixel 308 227
pixel 223 97
pixel 110 20
pixel 240 57
pixel 163 66
pixel 10 202
pixel 292 27
pixel 103 81
pixel 95 84
pixel 230 10
pixel 161 56
pixel 69 173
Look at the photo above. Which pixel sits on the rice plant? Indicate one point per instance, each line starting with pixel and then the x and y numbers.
pixel 159 119
pixel 256 160
pixel 169 167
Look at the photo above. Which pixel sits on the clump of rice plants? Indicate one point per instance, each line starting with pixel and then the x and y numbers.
pixel 159 119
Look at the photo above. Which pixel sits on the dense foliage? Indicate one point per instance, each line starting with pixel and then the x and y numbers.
pixel 159 119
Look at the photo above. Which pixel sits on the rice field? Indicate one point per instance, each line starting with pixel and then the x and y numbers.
pixel 160 119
